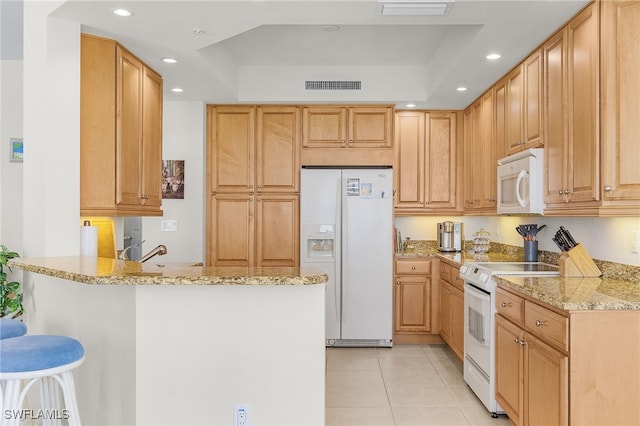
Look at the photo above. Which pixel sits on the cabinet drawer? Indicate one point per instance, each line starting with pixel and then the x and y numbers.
pixel 421 267
pixel 510 306
pixel 547 325
pixel 445 271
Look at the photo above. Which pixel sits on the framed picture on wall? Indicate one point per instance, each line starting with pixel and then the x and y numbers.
pixel 173 179
pixel 17 150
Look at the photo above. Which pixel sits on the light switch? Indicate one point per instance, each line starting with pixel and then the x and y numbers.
pixel 169 225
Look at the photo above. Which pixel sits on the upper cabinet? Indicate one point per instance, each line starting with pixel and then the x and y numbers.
pixel 254 148
pixel 426 162
pixel 347 135
pixel 572 116
pixel 480 156
pixel 120 132
pixel 620 120
pixel 524 105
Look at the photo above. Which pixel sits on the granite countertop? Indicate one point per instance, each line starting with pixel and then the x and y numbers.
pixel 105 271
pixel 617 289
pixel 576 294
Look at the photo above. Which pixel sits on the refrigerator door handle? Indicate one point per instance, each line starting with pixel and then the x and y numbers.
pixel 337 264
pixel 344 243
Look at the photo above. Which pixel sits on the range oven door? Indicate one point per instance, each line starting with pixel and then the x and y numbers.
pixel 477 327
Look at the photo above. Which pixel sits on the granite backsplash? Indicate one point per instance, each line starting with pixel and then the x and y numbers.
pixel 618 271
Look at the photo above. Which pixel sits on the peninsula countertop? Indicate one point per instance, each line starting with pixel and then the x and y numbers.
pixel 105 271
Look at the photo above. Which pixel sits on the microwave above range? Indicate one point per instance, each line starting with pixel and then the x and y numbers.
pixel 521 183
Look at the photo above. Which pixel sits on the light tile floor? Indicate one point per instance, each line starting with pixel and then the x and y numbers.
pixel 401 386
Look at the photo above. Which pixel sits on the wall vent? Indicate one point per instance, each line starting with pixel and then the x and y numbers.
pixel 332 85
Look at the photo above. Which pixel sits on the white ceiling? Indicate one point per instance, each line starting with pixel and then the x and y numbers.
pixel 256 51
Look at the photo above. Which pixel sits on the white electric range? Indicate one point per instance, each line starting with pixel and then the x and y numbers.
pixel 479 321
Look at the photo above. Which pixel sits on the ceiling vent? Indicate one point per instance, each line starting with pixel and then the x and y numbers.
pixel 332 85
pixel 415 7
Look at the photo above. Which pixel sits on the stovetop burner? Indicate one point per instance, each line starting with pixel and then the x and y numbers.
pixel 519 268
pixel 480 273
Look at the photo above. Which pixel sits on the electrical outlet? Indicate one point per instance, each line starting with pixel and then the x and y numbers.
pixel 634 241
pixel 169 225
pixel 240 415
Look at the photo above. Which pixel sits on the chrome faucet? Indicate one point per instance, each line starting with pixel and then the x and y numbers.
pixel 160 250
pixel 124 254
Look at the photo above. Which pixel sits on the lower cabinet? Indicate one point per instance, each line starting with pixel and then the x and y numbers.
pixel 532 376
pixel 254 230
pixel 415 305
pixel 451 308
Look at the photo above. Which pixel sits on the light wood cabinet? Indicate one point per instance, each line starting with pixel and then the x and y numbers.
pixel 254 179
pixel 620 124
pixel 253 229
pixel 425 162
pixel 524 105
pixel 557 367
pixel 480 156
pixel 415 301
pixel 254 148
pixel 571 116
pixel 347 135
pixel 532 377
pixel 451 308
pixel 120 132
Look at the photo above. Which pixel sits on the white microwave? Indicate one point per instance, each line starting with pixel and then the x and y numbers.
pixel 521 183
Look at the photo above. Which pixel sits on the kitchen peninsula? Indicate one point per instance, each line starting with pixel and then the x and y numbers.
pixel 170 344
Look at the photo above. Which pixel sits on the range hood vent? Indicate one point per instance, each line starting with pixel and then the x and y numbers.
pixel 332 85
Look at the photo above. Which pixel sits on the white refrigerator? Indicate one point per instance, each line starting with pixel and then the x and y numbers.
pixel 346 229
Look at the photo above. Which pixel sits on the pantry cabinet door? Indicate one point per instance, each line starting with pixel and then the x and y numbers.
pixel 232 148
pixel 278 149
pixel 277 230
pixel 232 230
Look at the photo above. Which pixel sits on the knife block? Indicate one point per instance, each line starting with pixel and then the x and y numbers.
pixel 577 263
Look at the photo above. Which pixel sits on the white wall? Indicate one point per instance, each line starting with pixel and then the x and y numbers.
pixel 604 238
pixel 51 191
pixel 183 139
pixel 10 173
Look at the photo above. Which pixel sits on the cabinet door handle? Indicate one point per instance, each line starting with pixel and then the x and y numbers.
pixel 449 292
pixel 566 191
pixel 520 342
pixel 343 142
pixel 560 192
pixel 505 304
pixel 607 188
pixel 250 186
pixel 540 323
pixel 413 267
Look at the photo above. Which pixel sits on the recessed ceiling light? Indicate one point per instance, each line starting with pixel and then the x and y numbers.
pixel 410 105
pixel 177 90
pixel 169 60
pixel 121 12
pixel 493 56
pixel 461 89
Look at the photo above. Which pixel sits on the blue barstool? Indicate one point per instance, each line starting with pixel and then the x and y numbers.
pixel 45 358
pixel 11 328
